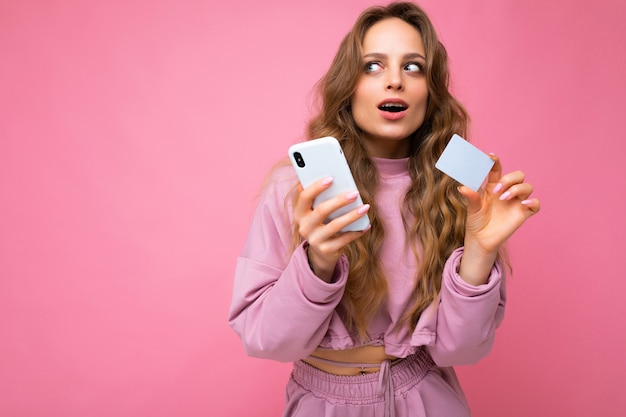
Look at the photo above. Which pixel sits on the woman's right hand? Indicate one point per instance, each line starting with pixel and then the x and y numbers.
pixel 326 241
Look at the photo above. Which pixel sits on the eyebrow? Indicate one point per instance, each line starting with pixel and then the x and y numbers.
pixel 410 55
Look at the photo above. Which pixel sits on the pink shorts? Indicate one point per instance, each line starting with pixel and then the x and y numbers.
pixel 413 387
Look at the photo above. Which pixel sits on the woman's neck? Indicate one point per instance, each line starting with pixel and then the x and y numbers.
pixel 387 148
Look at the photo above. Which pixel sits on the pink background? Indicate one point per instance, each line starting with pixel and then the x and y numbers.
pixel 134 137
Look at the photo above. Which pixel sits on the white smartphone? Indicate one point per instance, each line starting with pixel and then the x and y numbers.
pixel 316 159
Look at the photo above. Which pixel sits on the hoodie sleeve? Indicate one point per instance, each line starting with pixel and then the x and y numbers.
pixel 464 318
pixel 280 309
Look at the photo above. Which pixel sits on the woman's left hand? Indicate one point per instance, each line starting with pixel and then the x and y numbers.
pixel 497 211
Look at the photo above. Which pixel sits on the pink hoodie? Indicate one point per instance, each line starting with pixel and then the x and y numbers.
pixel 282 311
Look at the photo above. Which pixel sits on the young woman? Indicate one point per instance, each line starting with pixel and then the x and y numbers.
pixel 375 320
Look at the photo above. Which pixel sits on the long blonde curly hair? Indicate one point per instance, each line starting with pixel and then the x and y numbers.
pixel 437 209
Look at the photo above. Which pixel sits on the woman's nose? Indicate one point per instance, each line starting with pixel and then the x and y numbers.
pixel 394 81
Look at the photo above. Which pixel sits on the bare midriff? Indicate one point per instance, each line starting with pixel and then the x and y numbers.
pixel 374 355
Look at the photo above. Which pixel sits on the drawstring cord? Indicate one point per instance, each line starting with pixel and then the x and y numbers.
pixel 385 388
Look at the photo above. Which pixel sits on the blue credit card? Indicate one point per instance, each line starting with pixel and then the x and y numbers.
pixel 465 163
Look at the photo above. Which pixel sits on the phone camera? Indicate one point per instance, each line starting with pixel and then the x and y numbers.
pixel 299 160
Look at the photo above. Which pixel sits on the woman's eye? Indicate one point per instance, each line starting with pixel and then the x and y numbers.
pixel 372 67
pixel 413 67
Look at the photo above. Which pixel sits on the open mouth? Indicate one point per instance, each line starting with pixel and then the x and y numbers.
pixel 392 107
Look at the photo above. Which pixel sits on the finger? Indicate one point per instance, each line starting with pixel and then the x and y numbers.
pixel 532 205
pixel 324 209
pixel 312 222
pixel 472 197
pixel 521 191
pixel 496 170
pixel 326 243
pixel 308 194
pixel 327 231
pixel 506 181
pixel 334 244
pixel 329 239
pixel 344 239
pixel 338 224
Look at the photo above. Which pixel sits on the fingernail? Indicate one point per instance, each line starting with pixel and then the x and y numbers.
pixel 363 209
pixel 497 188
pixel 505 195
pixel 327 181
pixel 352 195
pixel 527 202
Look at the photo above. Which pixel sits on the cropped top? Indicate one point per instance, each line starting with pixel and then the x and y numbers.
pixel 283 311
